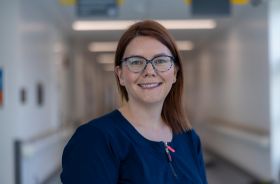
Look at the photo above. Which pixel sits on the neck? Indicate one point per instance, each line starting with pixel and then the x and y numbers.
pixel 143 116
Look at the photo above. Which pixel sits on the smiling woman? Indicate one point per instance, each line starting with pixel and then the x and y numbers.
pixel 146 82
pixel 148 139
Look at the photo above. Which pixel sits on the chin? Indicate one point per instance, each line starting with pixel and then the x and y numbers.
pixel 153 100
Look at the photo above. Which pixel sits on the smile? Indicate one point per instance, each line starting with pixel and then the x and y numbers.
pixel 149 85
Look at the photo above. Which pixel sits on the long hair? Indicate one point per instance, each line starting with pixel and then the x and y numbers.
pixel 172 111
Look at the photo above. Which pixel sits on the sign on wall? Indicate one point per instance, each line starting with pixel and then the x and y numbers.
pixel 1 88
pixel 211 8
pixel 90 8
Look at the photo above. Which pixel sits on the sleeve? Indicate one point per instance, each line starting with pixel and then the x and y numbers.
pixel 89 158
pixel 199 156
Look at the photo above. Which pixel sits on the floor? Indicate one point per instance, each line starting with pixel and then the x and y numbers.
pixel 218 172
pixel 221 172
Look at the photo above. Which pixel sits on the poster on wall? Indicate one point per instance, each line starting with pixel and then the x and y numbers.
pixel 1 87
pixel 40 94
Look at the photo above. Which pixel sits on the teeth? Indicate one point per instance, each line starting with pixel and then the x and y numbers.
pixel 149 85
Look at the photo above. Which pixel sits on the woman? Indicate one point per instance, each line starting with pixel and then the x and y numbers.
pixel 148 140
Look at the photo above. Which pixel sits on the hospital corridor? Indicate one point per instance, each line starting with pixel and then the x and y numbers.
pixel 57 73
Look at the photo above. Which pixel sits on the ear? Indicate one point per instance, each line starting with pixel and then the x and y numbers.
pixel 175 74
pixel 118 72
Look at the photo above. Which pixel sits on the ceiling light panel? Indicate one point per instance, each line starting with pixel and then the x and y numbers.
pixel 105 58
pixel 183 45
pixel 103 46
pixel 124 24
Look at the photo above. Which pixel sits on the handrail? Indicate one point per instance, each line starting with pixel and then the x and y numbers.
pixel 31 147
pixel 245 133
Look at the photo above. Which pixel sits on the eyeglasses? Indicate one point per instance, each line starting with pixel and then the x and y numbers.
pixel 138 64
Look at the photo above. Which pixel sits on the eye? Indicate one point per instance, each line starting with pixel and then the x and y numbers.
pixel 136 61
pixel 159 61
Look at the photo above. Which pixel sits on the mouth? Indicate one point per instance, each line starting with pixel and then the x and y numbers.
pixel 149 85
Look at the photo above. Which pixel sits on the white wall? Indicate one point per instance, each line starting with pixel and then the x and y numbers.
pixel 32 50
pixel 229 85
pixel 8 62
pixel 274 59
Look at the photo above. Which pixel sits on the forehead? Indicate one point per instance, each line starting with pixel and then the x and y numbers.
pixel 145 46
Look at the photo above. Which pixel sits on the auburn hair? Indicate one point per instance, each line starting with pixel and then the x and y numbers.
pixel 172 111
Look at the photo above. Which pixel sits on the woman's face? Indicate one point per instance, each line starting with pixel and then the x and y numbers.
pixel 149 86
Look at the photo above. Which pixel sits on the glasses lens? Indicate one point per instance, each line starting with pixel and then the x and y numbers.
pixel 162 63
pixel 136 64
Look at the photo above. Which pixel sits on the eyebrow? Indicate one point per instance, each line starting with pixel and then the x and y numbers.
pixel 162 54
pixel 157 55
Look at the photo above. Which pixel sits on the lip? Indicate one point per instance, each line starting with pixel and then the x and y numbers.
pixel 150 85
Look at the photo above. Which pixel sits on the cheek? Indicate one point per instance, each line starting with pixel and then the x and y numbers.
pixel 128 78
pixel 172 76
pixel 122 76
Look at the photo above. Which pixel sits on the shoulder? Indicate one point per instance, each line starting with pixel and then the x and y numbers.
pixel 91 152
pixel 97 134
pixel 105 124
pixel 194 135
pixel 99 129
pixel 194 138
pixel 105 121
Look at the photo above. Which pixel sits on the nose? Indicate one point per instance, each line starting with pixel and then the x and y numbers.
pixel 149 70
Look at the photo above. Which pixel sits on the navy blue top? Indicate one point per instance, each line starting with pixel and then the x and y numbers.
pixel 109 150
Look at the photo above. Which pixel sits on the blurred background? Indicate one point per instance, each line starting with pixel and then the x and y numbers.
pixel 56 73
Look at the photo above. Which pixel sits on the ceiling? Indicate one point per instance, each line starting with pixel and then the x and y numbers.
pixel 145 9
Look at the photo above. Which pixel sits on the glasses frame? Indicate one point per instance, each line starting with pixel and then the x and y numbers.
pixel 125 60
